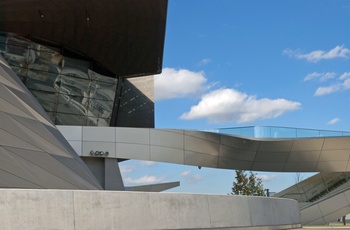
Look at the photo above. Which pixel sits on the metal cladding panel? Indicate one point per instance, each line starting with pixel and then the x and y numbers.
pixel 272 156
pixel 237 154
pixel 301 166
pixel 72 133
pixel 313 213
pixel 227 163
pixel 98 134
pixel 335 215
pixel 167 138
pixel 333 204
pixel 275 145
pixel 268 166
pixel 136 107
pixel 165 154
pixel 195 144
pixel 31 131
pixel 9 180
pixel 130 42
pixel 331 166
pixel 133 135
pixel 336 143
pixel 302 156
pixel 133 151
pixel 307 144
pixel 46 162
pixel 200 159
pixel 335 155
pixel 240 143
pixel 207 136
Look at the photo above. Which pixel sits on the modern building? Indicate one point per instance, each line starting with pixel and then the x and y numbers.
pixel 87 67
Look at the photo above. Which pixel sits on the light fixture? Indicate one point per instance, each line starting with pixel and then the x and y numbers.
pixel 42 16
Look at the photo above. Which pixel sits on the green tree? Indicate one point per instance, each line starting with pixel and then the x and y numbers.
pixel 247 185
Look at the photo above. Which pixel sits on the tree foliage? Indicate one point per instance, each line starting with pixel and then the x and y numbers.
pixel 247 185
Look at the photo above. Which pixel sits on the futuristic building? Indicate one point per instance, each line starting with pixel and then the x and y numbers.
pixel 81 73
pixel 87 67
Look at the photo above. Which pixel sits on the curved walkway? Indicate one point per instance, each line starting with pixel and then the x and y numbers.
pixel 316 154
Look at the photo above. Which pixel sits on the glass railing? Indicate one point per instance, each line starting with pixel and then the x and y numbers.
pixel 278 132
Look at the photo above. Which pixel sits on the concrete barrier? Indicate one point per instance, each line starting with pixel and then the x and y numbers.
pixel 76 209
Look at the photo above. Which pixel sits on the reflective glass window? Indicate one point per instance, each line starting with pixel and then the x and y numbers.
pixel 70 92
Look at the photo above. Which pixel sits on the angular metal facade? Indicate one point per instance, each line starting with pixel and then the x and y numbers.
pixel 33 153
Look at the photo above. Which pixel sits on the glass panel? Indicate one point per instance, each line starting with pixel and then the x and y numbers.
pixel 248 132
pixel 283 132
pixel 308 133
pixel 67 89
pixel 324 133
pixel 233 131
pixel 47 100
pixel 70 119
pixel 262 132
pixel 80 66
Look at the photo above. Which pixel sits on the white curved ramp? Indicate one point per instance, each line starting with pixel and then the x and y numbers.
pixel 319 154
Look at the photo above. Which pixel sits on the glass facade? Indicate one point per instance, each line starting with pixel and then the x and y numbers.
pixel 67 88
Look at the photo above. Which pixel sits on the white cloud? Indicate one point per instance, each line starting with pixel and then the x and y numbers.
pixel 147 163
pixel 189 178
pixel 126 168
pixel 144 180
pixel 320 76
pixel 204 61
pixel 225 105
pixel 327 90
pixel 185 173
pixel 265 177
pixel 346 84
pixel 333 121
pixel 344 76
pixel 178 83
pixel 317 55
pixel 194 179
pixel 341 84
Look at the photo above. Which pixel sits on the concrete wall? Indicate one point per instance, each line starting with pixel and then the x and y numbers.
pixel 74 209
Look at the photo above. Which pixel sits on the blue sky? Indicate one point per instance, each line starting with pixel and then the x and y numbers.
pixel 234 63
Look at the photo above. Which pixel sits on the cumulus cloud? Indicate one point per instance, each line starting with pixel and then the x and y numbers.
pixel 266 178
pixel 144 180
pixel 340 84
pixel 320 76
pixel 333 121
pixel 178 83
pixel 225 105
pixel 323 90
pixel 317 55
